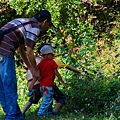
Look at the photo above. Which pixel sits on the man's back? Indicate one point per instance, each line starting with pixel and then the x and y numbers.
pixel 14 39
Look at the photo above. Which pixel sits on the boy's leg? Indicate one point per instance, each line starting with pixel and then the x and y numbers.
pixel 58 107
pixel 46 106
pixel 60 99
pixel 27 106
pixel 34 99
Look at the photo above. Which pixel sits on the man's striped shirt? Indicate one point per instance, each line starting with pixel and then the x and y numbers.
pixel 26 35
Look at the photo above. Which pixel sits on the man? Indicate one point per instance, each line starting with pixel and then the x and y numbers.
pixel 18 39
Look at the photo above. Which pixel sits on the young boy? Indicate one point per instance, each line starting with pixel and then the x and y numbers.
pixel 48 70
pixel 35 95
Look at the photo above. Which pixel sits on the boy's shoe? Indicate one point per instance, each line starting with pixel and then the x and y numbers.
pixel 55 113
pixel 41 116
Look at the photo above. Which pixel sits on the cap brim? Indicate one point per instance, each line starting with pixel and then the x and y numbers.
pixel 54 53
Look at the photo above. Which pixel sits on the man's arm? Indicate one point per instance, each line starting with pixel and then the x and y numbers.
pixel 24 56
pixel 31 57
pixel 31 82
pixel 29 60
pixel 35 71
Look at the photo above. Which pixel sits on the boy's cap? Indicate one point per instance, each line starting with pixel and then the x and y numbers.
pixel 47 49
pixel 44 14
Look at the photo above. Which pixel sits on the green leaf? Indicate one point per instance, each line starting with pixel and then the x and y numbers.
pixel 82 51
pixel 108 61
pixel 117 55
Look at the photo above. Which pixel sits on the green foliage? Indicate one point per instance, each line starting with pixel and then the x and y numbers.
pixel 26 7
pixel 6 13
pixel 92 95
pixel 115 111
pixel 88 37
pixel 90 98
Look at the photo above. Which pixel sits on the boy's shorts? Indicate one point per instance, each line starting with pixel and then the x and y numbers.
pixel 34 99
pixel 58 96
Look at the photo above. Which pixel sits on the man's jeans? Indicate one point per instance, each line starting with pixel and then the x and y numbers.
pixel 8 88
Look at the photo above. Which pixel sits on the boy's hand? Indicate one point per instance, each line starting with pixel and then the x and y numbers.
pixel 83 75
pixel 30 87
pixel 64 85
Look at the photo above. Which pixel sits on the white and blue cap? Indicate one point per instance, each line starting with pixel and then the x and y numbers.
pixel 46 49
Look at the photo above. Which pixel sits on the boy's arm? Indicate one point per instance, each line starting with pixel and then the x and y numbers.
pixel 59 77
pixel 63 65
pixel 75 70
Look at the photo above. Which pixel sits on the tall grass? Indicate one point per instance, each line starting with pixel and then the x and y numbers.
pixel 76 107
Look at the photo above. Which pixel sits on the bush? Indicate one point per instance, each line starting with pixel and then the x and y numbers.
pixel 92 96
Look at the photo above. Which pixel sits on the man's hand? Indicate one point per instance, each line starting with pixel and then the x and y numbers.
pixel 36 76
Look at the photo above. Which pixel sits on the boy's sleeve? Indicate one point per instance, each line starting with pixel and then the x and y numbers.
pixel 54 64
pixel 60 63
pixel 29 75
